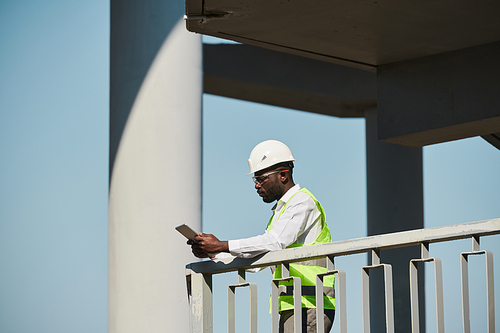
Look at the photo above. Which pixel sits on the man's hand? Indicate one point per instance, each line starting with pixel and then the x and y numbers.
pixel 207 243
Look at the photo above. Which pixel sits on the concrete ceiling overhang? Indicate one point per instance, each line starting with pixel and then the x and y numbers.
pixel 361 34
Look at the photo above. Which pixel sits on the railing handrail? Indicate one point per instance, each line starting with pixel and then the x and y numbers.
pixel 352 246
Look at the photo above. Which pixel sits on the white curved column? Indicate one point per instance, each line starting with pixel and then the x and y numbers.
pixel 155 178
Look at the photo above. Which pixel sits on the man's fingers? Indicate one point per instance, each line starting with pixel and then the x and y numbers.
pixel 197 250
pixel 199 253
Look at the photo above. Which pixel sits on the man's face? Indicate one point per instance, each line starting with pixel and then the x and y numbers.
pixel 269 186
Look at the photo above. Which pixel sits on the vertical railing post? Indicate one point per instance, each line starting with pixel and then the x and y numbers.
pixel 200 300
pixel 340 297
pixel 438 283
pixel 424 250
pixel 275 306
pixel 241 276
pixel 297 299
pixel 231 303
pixel 464 273
pixel 375 257
pixel 415 316
pixel 476 243
pixel 231 309
pixel 253 307
pixel 320 303
pixel 389 299
pixel 490 292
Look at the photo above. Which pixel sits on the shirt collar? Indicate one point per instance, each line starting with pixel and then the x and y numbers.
pixel 288 194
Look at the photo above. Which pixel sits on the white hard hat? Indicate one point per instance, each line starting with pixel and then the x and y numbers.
pixel 269 153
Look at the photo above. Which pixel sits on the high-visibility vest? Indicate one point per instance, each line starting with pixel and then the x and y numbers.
pixel 306 270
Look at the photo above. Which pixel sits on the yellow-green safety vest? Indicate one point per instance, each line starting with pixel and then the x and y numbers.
pixel 306 270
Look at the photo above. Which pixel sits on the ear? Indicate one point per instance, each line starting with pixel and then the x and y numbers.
pixel 284 177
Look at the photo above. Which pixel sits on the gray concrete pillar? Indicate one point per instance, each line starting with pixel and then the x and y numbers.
pixel 155 164
pixel 395 203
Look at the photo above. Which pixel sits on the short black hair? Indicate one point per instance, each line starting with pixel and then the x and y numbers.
pixel 288 165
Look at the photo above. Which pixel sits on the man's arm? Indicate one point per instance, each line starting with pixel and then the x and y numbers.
pixel 297 219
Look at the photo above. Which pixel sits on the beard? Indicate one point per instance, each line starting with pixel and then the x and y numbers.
pixel 272 194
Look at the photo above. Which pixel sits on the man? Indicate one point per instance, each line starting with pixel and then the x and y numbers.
pixel 298 220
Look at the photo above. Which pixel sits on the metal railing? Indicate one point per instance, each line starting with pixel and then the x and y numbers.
pixel 199 277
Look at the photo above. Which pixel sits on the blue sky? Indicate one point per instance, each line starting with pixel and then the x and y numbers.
pixel 54 93
pixel 54 134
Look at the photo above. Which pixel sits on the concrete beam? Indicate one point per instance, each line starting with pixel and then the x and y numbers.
pixel 493 139
pixel 259 75
pixel 440 98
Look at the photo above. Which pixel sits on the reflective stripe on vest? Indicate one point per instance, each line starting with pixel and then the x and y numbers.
pixel 306 270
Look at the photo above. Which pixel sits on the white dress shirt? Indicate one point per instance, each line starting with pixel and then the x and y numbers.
pixel 298 224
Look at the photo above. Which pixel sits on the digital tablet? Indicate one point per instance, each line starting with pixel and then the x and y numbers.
pixel 186 231
pixel 190 234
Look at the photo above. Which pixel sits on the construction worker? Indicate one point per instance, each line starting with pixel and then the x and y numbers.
pixel 298 220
